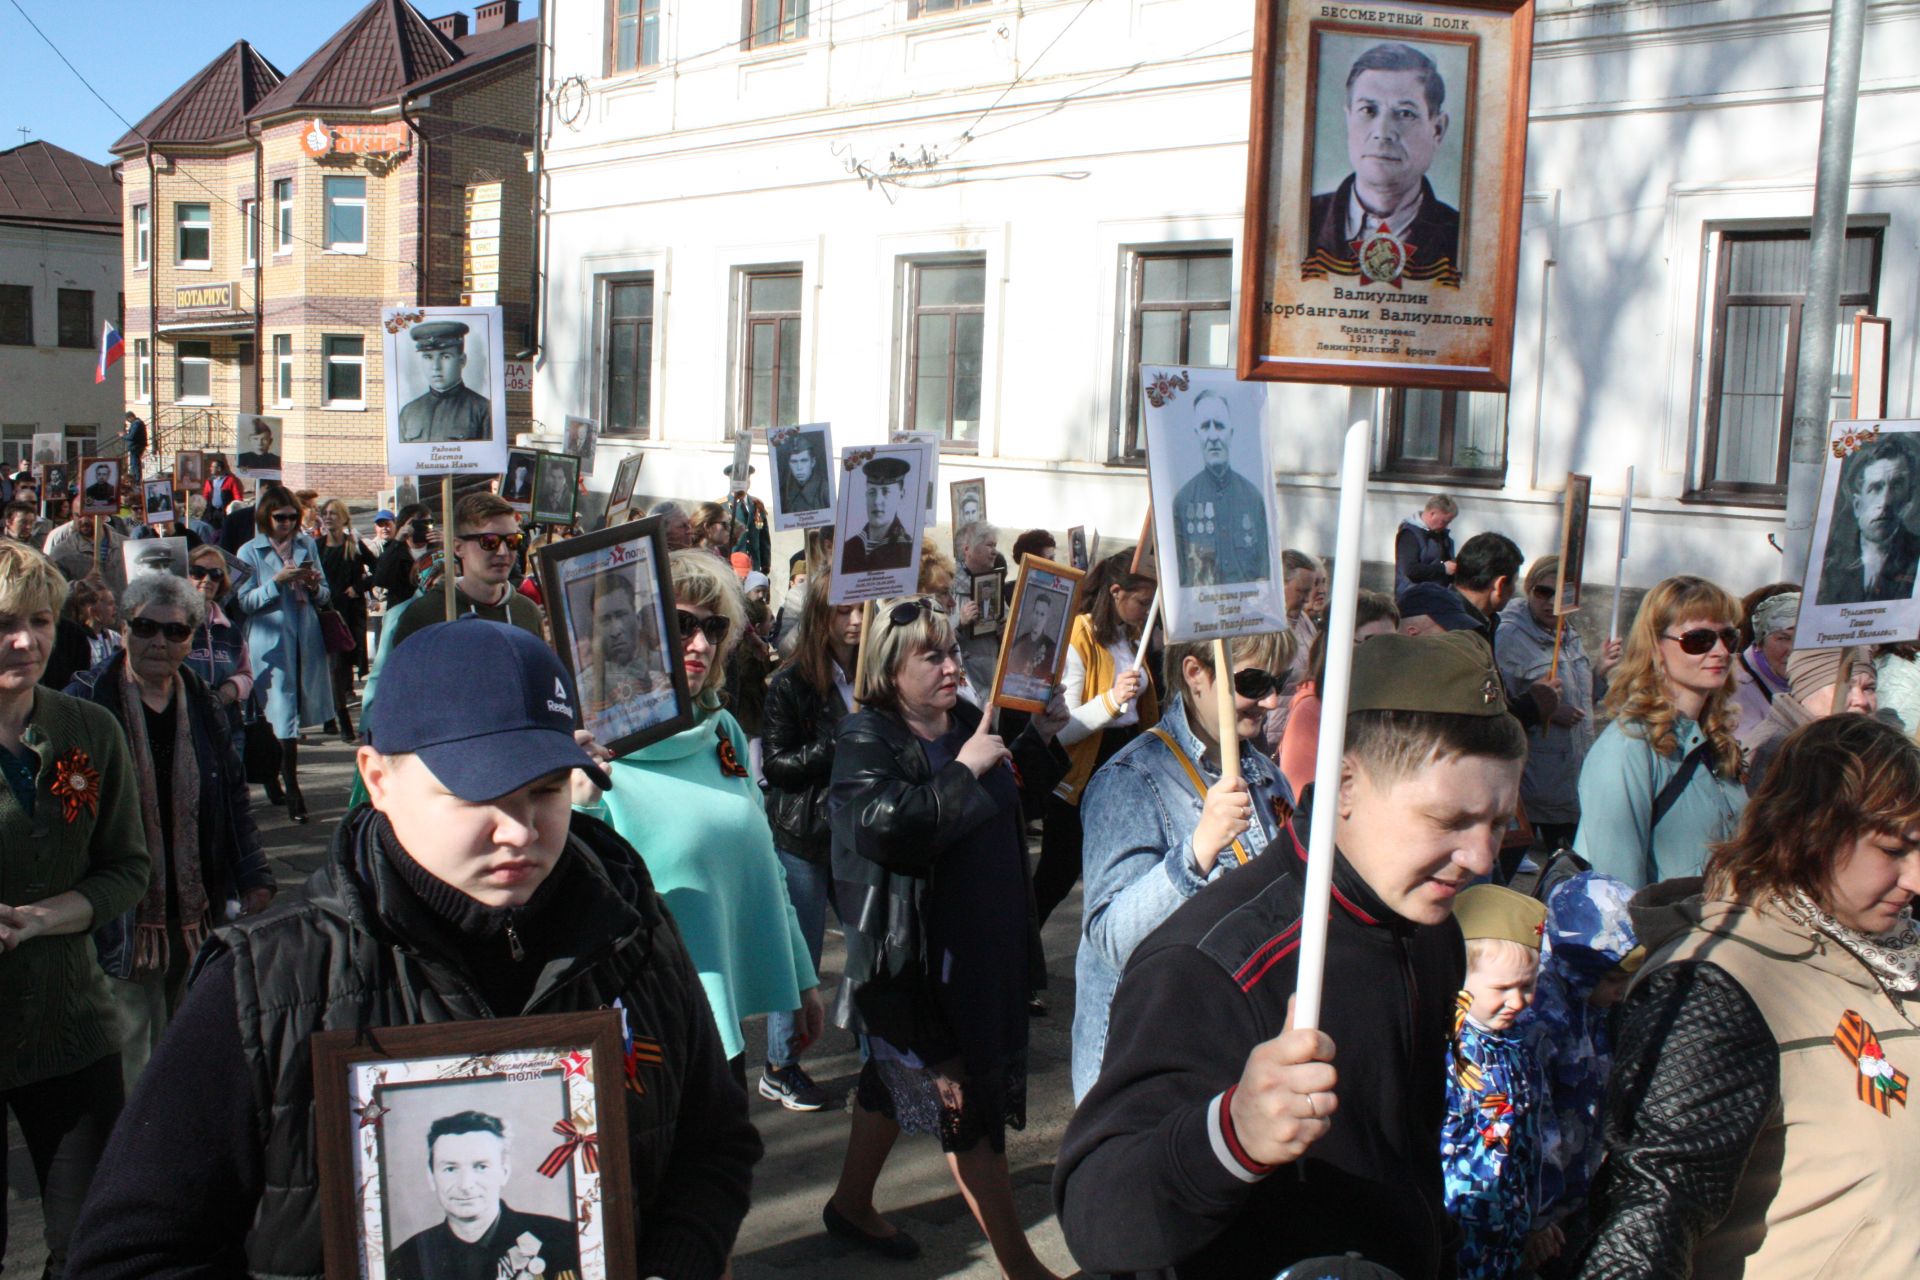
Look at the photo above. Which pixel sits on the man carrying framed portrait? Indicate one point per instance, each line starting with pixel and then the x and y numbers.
pixel 465 894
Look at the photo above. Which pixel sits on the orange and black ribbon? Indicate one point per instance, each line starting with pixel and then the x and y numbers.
pixel 642 1052
pixel 1877 1082
pixel 571 1140
pixel 1498 1110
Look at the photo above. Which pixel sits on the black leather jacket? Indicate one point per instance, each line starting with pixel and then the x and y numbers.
pixel 892 820
pixel 797 761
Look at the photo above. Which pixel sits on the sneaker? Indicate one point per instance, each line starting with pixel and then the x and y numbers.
pixel 792 1088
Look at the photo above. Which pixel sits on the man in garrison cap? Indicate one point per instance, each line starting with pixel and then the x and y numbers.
pixel 449 409
pixel 882 543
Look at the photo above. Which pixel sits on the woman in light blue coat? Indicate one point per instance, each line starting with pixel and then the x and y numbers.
pixel 283 599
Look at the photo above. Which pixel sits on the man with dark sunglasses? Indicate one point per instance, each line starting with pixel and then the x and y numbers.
pixel 486 547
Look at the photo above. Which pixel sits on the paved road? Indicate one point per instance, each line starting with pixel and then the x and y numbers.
pixel 782 1238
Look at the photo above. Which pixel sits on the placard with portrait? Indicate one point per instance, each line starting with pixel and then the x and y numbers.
pixel 581 438
pixel 99 486
pixel 154 555
pixel 877 542
pixel 190 470
pixel 802 462
pixel 446 390
pixel 256 446
pixel 932 439
pixel 1861 567
pixel 620 497
pixel 556 488
pixel 157 501
pixel 516 482
pixel 989 596
pixel 1569 579
pixel 967 501
pixel 1384 185
pixel 1033 648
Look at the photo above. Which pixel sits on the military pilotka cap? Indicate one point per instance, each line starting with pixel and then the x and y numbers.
pixel 886 470
pixel 1452 674
pixel 439 335
pixel 1488 911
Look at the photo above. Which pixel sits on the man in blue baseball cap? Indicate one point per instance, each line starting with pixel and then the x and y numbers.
pixel 465 888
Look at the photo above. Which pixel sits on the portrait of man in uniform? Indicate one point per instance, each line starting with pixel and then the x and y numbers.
pixel 624 680
pixel 1220 517
pixel 257 457
pixel 480 1236
pixel 1384 222
pixel 883 541
pixel 1877 557
pixel 1037 642
pixel 448 409
pixel 103 484
pixel 516 486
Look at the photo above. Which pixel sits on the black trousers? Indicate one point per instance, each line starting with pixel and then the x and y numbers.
pixel 65 1121
pixel 1061 833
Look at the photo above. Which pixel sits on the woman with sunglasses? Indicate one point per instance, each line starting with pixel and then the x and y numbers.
pixel 930 872
pixel 1523 647
pixel 282 601
pixel 219 651
pixel 1662 782
pixel 349 569
pixel 1161 823
pixel 690 807
pixel 203 848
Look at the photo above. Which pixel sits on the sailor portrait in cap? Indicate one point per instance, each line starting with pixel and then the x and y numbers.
pixel 882 543
pixel 449 409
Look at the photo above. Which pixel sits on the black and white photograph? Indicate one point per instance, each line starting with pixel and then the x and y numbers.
pixel 154 555
pixel 189 470
pixel 256 446
pixel 1571 575
pixel 516 482
pixel 1077 548
pixel 1211 482
pixel 54 478
pixel 615 627
pixel 49 447
pixel 157 501
pixel 740 471
pixel 406 492
pixel 1866 538
pixel 556 488
pixel 456 1150
pixel 990 594
pixel 582 440
pixel 877 546
pixel 932 439
pixel 967 500
pixel 446 390
pixel 1034 647
pixel 620 498
pixel 99 486
pixel 802 461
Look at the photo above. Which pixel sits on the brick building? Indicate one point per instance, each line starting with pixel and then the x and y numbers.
pixel 271 218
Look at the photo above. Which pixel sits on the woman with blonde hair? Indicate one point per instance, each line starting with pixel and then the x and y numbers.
pixel 1662 782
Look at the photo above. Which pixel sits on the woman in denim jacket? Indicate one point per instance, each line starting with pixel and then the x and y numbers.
pixel 1160 823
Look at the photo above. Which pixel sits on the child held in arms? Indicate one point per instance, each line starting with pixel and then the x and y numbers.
pixel 1490 1143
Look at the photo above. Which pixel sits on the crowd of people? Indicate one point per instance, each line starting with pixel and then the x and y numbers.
pixel 1621 963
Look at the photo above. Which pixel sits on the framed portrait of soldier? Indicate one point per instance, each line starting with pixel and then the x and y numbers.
pixel 967 501
pixel 1384 184
pixel 446 390
pixel 990 597
pixel 493 1147
pixel 877 539
pixel 99 486
pixel 189 470
pixel 154 555
pixel 157 501
pixel 54 478
pixel 1033 646
pixel 256 446
pixel 1861 567
pixel 582 440
pixel 1569 578
pixel 1210 477
pixel 556 488
pixel 516 482
pixel 1077 548
pixel 802 461
pixel 620 497
pixel 406 492
pixel 932 440
pixel 609 596
pixel 49 447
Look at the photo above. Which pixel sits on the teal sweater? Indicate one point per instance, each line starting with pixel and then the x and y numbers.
pixel 56 1010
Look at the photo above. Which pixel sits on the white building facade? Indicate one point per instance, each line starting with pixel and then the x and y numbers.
pixel 980 218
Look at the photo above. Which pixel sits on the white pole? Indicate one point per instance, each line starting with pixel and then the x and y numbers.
pixel 1333 724
pixel 1146 630
pixel 1620 556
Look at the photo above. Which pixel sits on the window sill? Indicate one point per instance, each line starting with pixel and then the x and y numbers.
pixel 249 264
pixel 193 404
pixel 344 406
pixel 142 266
pixel 345 251
pixel 284 253
pixel 1725 498
pixel 1461 479
pixel 193 266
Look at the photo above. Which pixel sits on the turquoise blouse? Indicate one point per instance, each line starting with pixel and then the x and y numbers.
pixel 1618 782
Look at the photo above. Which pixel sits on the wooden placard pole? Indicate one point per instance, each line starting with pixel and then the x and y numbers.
pixel 1227 727
pixel 1559 630
pixel 449 565
pixel 99 551
pixel 1334 692
pixel 1840 681
pixel 859 650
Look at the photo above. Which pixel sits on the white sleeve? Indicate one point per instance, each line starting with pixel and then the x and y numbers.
pixel 1086 717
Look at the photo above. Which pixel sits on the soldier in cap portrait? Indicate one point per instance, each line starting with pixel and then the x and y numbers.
pixel 449 409
pixel 883 542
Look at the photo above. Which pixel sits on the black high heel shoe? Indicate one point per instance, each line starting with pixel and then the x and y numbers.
pixel 297 806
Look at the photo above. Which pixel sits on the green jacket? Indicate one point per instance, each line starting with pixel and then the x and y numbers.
pixel 54 998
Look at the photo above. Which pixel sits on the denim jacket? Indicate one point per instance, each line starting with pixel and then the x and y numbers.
pixel 1139 813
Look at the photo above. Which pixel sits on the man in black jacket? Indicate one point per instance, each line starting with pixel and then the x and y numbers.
pixel 1172 1165
pixel 465 889
pixel 1423 545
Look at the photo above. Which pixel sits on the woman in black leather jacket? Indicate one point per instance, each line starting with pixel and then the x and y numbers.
pixel 943 946
pixel 805 701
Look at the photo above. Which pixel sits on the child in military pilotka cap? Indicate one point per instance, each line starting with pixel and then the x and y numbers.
pixel 1490 1144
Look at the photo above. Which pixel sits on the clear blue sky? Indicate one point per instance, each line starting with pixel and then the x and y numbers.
pixel 136 52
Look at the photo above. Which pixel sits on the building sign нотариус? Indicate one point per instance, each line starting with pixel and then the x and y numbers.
pixel 322 139
pixel 204 297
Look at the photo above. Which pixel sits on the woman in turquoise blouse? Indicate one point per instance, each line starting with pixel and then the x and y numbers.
pixel 690 808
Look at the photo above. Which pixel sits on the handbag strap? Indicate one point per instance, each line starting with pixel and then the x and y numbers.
pixel 1677 784
pixel 1240 855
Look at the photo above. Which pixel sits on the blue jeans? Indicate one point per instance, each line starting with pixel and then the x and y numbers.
pixel 808 886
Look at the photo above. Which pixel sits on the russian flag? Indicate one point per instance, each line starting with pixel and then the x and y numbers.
pixel 112 348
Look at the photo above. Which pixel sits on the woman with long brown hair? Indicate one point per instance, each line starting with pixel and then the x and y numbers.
pixel 1758 1122
pixel 1662 782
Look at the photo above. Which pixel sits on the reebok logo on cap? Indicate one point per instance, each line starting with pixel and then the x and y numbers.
pixel 558 704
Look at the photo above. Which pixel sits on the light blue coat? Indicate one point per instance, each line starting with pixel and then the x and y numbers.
pixel 1618 783
pixel 290 678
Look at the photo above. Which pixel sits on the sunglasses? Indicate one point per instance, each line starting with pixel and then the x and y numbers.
pixel 1542 593
pixel 1702 639
pixel 199 571
pixel 1254 684
pixel 907 611
pixel 492 542
pixel 147 629
pixel 284 517
pixel 713 627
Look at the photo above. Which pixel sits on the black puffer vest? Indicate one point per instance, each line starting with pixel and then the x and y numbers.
pixel 345 958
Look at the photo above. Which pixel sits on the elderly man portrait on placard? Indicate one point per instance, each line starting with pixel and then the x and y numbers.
pixel 1876 559
pixel 1220 518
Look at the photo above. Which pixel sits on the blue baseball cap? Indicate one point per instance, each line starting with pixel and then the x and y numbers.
pixel 382 514
pixel 486 706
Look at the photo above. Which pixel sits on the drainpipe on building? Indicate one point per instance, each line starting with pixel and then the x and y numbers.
pixel 425 267
pixel 537 314
pixel 153 296
pixel 257 132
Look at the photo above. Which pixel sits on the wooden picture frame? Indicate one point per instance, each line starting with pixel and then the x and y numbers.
pixel 620 496
pixel 990 594
pixel 1872 344
pixel 552 1085
pixel 1024 678
pixel 1431 304
pixel 1078 554
pixel 1569 579
pixel 959 493
pixel 89 500
pixel 159 504
pixel 189 470
pixel 516 491
pixel 632 687
pixel 556 488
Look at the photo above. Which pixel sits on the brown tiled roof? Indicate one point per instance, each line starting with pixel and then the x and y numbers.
pixel 212 106
pixel 483 49
pixel 382 49
pixel 42 185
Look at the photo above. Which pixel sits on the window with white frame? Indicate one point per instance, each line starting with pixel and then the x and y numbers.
pixel 346 214
pixel 768 373
pixel 193 235
pixel 142 237
pixel 283 215
pixel 283 370
pixel 250 231
pixel 629 346
pixel 1179 303
pixel 142 370
pixel 344 359
pixel 946 330
pixel 193 373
